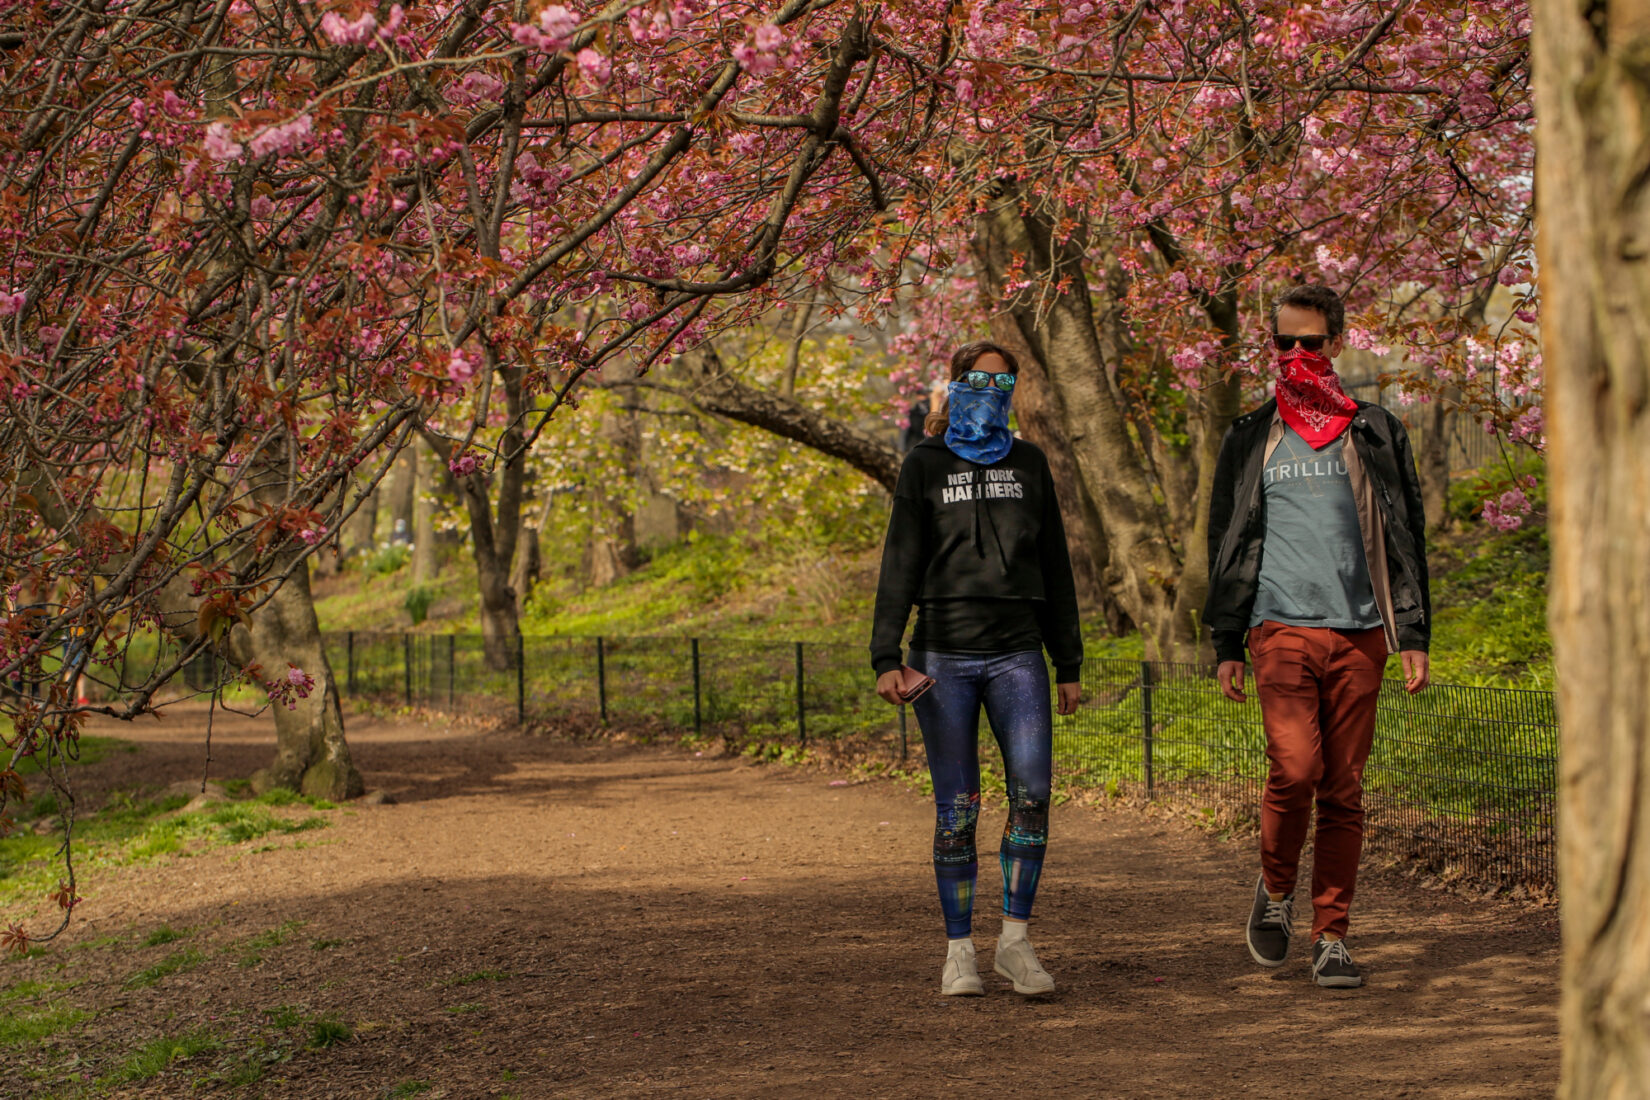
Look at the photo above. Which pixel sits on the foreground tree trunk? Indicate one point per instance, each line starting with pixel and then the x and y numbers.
pixel 1061 329
pixel 311 754
pixel 1040 417
pixel 1593 102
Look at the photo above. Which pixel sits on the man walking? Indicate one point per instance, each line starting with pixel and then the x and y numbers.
pixel 1317 560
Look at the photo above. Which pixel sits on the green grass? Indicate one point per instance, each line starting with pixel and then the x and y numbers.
pixel 178 961
pixel 466 1008
pixel 30 1015
pixel 156 1056
pixel 324 1031
pixel 254 947
pixel 407 1088
pixel 130 828
pixel 26 1024
pixel 162 935
pixel 480 976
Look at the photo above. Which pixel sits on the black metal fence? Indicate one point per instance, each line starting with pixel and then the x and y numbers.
pixel 1467 446
pixel 1461 779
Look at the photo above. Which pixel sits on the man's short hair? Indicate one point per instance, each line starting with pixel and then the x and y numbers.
pixel 1316 297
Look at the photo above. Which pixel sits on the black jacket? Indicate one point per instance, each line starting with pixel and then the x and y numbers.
pixel 1395 529
pixel 961 530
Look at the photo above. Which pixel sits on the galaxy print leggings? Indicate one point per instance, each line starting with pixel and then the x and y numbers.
pixel 1014 689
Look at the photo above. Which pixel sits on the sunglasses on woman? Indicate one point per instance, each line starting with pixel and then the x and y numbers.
pixel 1285 342
pixel 979 380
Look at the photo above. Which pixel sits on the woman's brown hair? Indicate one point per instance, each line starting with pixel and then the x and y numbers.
pixel 962 361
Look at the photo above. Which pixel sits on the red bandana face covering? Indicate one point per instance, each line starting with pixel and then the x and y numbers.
pixel 1311 399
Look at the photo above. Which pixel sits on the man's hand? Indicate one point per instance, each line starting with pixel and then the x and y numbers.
pixel 1417 674
pixel 1231 680
pixel 888 687
pixel 1070 695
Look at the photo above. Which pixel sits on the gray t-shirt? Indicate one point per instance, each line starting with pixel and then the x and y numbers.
pixel 1312 570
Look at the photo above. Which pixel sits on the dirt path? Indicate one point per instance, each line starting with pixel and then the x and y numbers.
pixel 538 917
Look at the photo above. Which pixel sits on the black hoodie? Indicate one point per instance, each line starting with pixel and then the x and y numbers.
pixel 989 538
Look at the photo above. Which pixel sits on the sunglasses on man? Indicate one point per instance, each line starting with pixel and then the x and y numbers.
pixel 979 380
pixel 1285 342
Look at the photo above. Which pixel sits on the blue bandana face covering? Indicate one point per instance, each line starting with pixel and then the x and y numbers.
pixel 979 423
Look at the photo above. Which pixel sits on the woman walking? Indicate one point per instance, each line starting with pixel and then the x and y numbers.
pixel 976 543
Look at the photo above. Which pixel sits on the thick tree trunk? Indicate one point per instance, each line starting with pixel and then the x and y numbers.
pixel 528 568
pixel 359 537
pixel 401 487
pixel 1042 421
pixel 1593 143
pixel 1059 325
pixel 425 565
pixel 493 535
pixel 310 752
pixel 613 551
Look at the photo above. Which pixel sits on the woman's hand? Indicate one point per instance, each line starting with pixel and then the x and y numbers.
pixel 888 687
pixel 1070 695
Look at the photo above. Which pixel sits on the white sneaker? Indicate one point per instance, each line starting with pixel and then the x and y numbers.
pixel 961 978
pixel 1018 963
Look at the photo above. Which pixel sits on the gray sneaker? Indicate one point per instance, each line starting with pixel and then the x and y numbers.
pixel 1332 965
pixel 961 976
pixel 1018 963
pixel 1270 926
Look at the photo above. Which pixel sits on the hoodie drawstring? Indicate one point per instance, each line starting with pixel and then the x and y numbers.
pixel 978 488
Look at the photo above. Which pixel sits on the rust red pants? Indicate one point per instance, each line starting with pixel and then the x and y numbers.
pixel 1318 689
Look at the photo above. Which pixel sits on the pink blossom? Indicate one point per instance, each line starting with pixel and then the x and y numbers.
pixel 753 61
pixel 594 66
pixel 768 38
pixel 356 32
pixel 464 465
pixel 558 23
pixel 11 304
pixel 462 366
pixel 281 139
pixel 219 145
pixel 1528 428
pixel 476 87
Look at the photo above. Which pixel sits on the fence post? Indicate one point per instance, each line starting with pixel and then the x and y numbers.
pixel 521 676
pixel 902 733
pixel 349 662
pixel 601 677
pixel 452 640
pixel 406 667
pixel 1147 679
pixel 801 721
pixel 698 718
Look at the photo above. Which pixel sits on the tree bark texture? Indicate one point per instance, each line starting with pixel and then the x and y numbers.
pixel 613 551
pixel 425 565
pixel 1042 421
pixel 1592 68
pixel 402 489
pixel 1056 318
pixel 360 533
pixel 311 754
pixel 494 530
